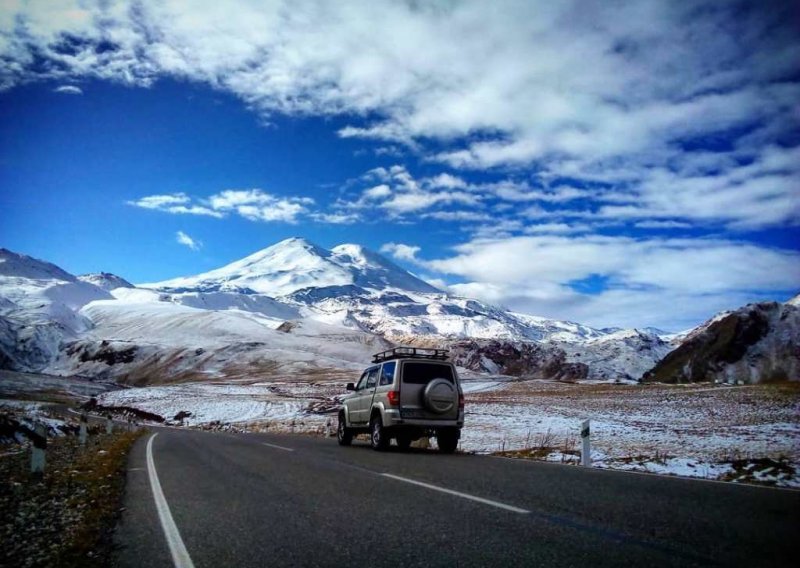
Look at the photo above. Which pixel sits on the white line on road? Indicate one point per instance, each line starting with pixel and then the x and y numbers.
pixel 180 556
pixel 458 494
pixel 278 447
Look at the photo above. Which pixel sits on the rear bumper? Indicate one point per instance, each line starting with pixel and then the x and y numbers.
pixel 392 418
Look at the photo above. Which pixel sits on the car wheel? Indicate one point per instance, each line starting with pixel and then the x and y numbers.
pixel 343 433
pixel 447 440
pixel 377 435
pixel 403 442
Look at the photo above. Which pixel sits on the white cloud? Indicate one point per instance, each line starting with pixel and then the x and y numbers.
pixel 401 251
pixel 178 203
pixel 257 205
pixel 378 191
pixel 672 283
pixel 662 225
pixel 68 90
pixel 252 204
pixel 539 81
pixel 337 218
pixel 186 240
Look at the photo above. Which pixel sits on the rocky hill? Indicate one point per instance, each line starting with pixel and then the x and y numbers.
pixel 756 343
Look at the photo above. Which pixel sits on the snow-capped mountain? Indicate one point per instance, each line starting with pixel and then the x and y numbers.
pixel 235 318
pixel 296 264
pixel 354 287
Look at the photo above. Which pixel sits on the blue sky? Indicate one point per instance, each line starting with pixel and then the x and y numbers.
pixel 634 165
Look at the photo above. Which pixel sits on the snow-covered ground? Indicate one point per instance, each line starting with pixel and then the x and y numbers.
pixel 697 431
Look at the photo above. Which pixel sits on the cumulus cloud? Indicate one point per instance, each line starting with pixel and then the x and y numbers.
pixel 548 275
pixel 185 240
pixel 540 81
pixel 257 205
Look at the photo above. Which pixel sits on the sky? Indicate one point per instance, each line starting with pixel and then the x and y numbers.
pixel 612 163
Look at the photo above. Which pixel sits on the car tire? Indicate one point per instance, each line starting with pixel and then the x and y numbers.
pixel 447 440
pixel 377 434
pixel 343 434
pixel 403 442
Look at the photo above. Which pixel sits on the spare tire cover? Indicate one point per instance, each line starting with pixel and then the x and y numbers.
pixel 439 396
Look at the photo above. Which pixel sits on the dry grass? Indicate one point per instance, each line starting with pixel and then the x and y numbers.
pixel 67 518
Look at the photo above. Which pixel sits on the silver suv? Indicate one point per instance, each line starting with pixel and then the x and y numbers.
pixel 407 394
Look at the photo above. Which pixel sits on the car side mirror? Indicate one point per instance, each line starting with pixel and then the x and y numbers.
pixel 350 386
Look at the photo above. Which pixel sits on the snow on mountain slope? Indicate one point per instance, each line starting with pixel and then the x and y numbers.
pixel 146 342
pixel 38 310
pixel 105 280
pixel 373 271
pixel 556 330
pixel 23 266
pixel 625 354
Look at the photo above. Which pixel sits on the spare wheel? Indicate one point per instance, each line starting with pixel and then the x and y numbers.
pixel 440 396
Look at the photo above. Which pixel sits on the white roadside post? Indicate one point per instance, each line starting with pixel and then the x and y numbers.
pixel 109 424
pixel 82 431
pixel 586 451
pixel 38 450
pixel 328 428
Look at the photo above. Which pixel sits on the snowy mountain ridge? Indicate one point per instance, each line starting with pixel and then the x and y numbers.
pixel 102 324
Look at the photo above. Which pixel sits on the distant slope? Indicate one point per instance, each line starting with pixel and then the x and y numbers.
pixel 105 280
pixel 756 343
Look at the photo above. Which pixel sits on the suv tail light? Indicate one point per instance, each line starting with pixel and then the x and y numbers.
pixel 394 397
pixel 461 400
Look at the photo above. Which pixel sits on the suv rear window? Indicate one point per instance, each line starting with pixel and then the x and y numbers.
pixel 423 373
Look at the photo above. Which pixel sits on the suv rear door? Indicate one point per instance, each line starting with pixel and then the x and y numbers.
pixel 415 377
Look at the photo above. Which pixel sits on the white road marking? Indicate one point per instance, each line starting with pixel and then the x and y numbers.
pixel 180 556
pixel 278 447
pixel 458 494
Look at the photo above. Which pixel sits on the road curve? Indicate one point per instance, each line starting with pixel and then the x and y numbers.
pixel 270 500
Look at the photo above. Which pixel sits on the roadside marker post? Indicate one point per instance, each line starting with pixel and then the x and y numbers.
pixel 38 451
pixel 109 424
pixel 82 431
pixel 328 428
pixel 586 450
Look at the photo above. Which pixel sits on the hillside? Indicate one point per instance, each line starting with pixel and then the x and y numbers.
pixel 756 343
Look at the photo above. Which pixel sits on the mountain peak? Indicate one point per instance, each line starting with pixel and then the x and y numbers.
pixel 105 280
pixel 296 263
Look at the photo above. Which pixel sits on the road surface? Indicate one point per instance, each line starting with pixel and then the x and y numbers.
pixel 271 500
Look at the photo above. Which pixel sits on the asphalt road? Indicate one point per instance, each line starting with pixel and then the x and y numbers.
pixel 269 500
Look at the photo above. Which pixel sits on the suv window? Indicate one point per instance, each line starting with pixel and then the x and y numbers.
pixel 423 373
pixel 372 378
pixel 362 381
pixel 387 373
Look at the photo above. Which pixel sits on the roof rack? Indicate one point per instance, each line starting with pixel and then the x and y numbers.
pixel 410 352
